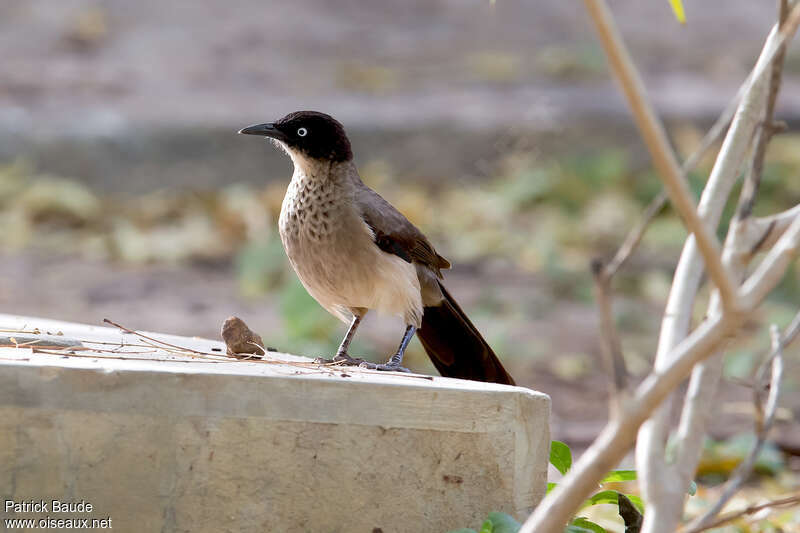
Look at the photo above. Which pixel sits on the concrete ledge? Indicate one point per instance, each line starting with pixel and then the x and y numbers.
pixel 167 439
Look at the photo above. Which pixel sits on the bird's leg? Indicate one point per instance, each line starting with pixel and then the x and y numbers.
pixel 341 354
pixel 393 364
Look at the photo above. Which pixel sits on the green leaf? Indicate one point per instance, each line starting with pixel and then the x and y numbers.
pixel 619 475
pixel 604 496
pixel 560 456
pixel 677 8
pixel 551 486
pixel 588 525
pixel 487 527
pixel 577 529
pixel 692 488
pixel 637 501
pixel 503 523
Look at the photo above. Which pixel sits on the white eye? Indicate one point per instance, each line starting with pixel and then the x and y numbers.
pixel 302 132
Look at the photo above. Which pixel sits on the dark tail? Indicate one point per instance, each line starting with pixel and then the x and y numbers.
pixel 456 347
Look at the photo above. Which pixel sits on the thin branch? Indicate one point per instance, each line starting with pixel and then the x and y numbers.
pixel 753 509
pixel 765 416
pixel 764 133
pixel 703 386
pixel 747 197
pixel 764 419
pixel 609 337
pixel 706 376
pixel 160 344
pixel 604 273
pixel 791 331
pixel 662 153
pixel 635 235
pixel 763 232
pixel 754 288
pixel 662 484
pixel 619 434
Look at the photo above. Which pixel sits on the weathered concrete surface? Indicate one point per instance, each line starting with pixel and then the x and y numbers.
pixel 180 441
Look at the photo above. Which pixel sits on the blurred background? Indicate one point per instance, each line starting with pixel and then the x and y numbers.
pixel 126 194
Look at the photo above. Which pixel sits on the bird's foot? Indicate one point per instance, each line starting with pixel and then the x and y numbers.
pixel 392 365
pixel 340 358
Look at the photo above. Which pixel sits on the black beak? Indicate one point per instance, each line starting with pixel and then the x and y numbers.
pixel 265 130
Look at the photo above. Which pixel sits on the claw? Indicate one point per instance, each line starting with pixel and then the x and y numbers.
pixel 390 367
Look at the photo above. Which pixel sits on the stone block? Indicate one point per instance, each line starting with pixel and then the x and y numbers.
pixel 172 435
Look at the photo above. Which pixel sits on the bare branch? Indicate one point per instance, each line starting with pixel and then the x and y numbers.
pixel 735 515
pixel 747 197
pixel 778 258
pixel 791 331
pixel 764 418
pixel 635 235
pixel 763 232
pixel 664 485
pixel 604 273
pixel 758 103
pixel 619 434
pixel 609 336
pixel 617 437
pixel 699 396
pixel 656 139
pixel 716 130
pixel 765 413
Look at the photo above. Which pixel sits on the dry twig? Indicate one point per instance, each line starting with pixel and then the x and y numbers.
pixel 764 419
pixel 604 273
pixel 656 140
pixel 768 128
pixel 620 433
pixel 753 509
pixel 159 343
pixel 609 337
pixel 664 484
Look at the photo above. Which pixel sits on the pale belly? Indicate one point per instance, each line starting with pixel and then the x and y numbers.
pixel 342 268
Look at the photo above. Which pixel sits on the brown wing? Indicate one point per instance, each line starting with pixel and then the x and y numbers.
pixel 394 234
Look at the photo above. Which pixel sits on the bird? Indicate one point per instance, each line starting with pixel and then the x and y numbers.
pixel 354 252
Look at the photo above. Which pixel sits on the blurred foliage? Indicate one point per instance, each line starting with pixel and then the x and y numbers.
pixel 720 458
pixel 677 8
pixel 576 63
